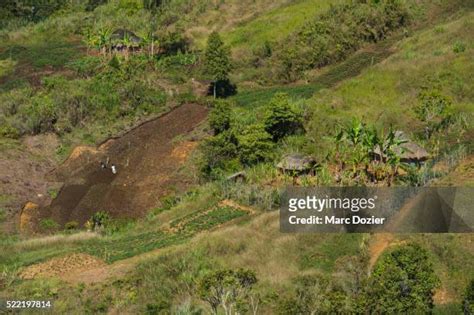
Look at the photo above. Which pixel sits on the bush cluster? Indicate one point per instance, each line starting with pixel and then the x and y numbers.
pixel 237 143
pixel 117 89
pixel 403 281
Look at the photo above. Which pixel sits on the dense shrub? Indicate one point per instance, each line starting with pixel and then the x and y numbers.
pixel 459 47
pixel 20 9
pixel 71 226
pixel 172 43
pixel 255 145
pixel 314 294
pixel 92 4
pixel 434 110
pixel 227 288
pixel 42 114
pixel 218 151
pixel 468 302
pixel 220 116
pixel 8 131
pixel 280 119
pixel 100 219
pixel 403 281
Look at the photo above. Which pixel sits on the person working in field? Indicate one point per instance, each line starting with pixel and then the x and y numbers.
pixel 114 169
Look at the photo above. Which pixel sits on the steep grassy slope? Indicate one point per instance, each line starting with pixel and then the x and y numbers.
pixel 387 93
pixel 428 59
pixel 275 24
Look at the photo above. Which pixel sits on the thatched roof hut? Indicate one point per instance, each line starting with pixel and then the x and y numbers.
pixel 296 163
pixel 408 151
pixel 119 35
pixel 237 177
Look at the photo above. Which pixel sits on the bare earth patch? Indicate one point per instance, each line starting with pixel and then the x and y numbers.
pixel 233 204
pixel 61 266
pixel 23 169
pixel 182 151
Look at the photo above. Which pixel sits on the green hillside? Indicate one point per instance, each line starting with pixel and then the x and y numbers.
pixel 305 78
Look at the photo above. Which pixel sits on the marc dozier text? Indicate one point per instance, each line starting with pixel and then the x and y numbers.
pixel 325 203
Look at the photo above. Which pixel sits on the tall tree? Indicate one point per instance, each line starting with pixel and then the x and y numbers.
pixel 280 119
pixel 217 61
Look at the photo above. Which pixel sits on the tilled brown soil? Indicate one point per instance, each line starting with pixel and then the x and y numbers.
pixel 62 266
pixel 147 167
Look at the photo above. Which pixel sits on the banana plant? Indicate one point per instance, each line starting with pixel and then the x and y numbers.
pixel 355 131
pixel 127 42
pixel 392 158
pixel 103 40
pixel 90 39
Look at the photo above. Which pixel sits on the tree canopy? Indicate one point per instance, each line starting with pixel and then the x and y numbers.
pixel 217 63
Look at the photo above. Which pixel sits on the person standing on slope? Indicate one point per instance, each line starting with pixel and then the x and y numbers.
pixel 114 169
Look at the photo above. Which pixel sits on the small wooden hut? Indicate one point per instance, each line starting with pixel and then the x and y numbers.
pixel 297 164
pixel 119 36
pixel 408 151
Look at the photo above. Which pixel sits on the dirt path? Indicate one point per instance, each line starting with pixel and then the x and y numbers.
pixel 147 160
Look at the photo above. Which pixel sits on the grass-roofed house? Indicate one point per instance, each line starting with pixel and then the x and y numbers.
pixel 125 41
pixel 408 151
pixel 297 164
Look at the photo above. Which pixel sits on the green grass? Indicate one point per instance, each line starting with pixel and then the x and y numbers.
pixel 128 243
pixel 39 54
pixel 324 255
pixel 276 24
pixel 386 93
pixel 347 69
